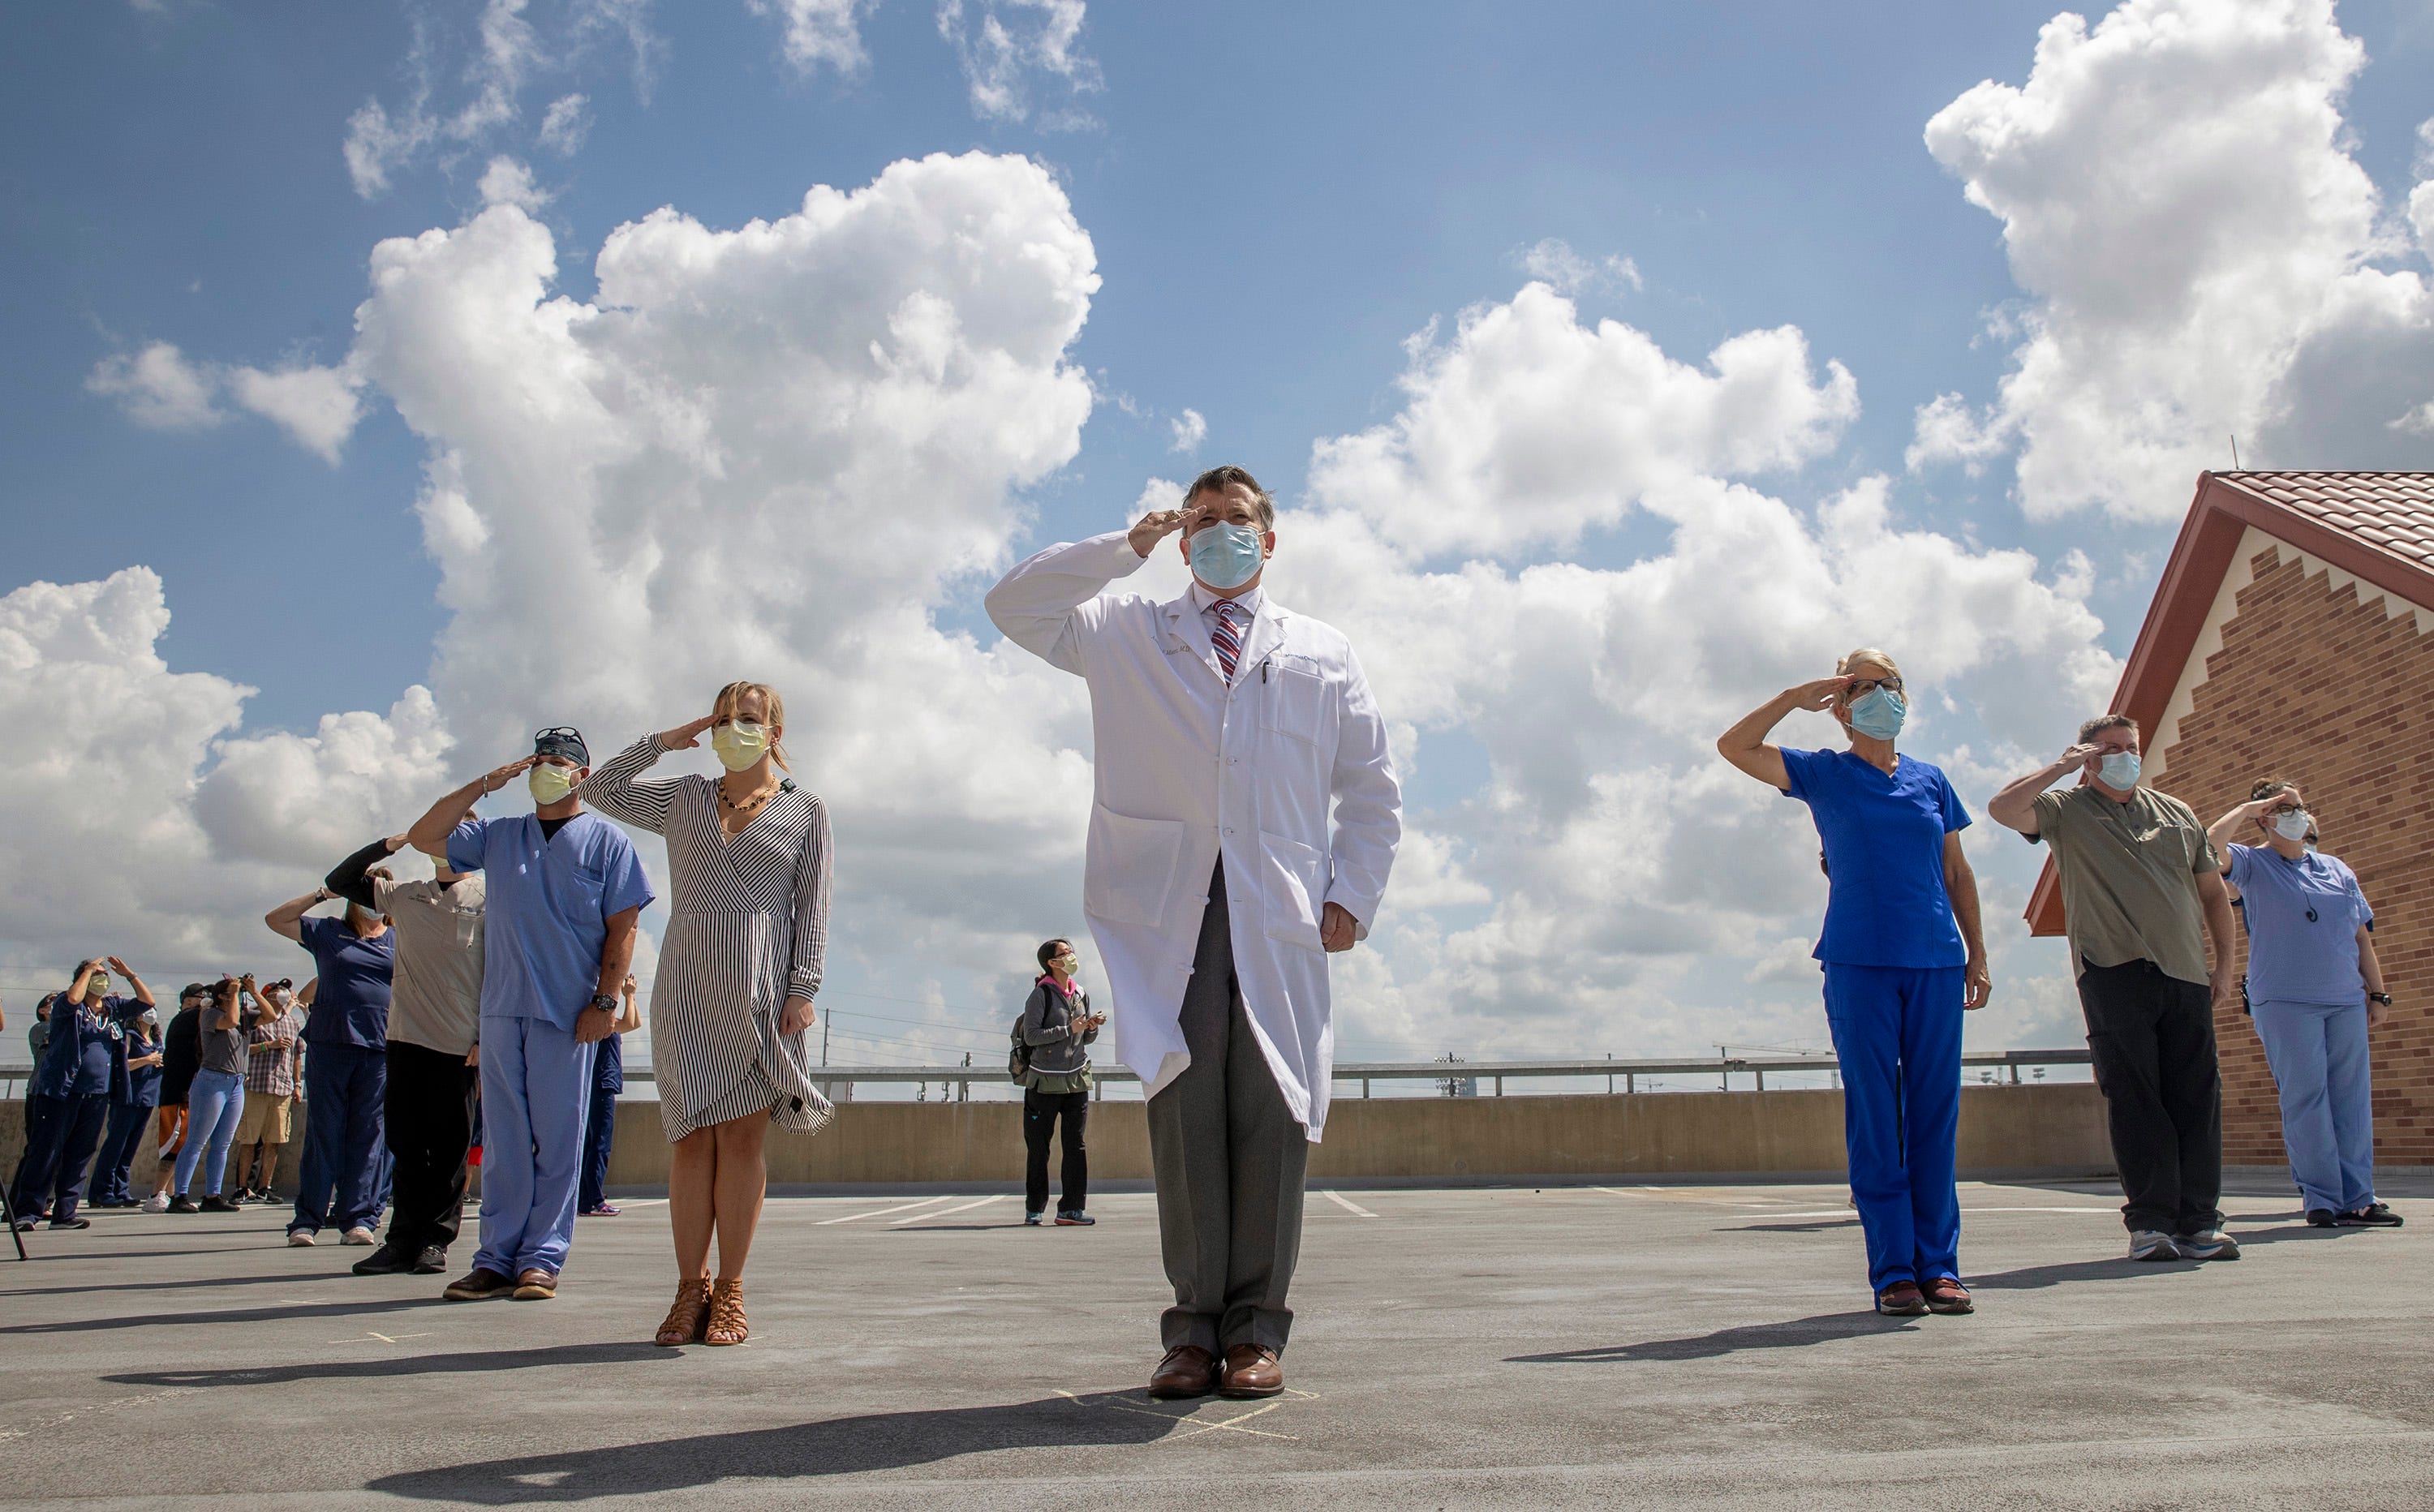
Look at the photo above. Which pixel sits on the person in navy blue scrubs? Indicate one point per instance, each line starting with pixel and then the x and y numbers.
pixel 600 1119
pixel 1903 958
pixel 346 1066
pixel 82 1065
pixel 131 1113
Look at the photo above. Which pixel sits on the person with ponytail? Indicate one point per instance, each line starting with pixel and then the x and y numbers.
pixel 748 863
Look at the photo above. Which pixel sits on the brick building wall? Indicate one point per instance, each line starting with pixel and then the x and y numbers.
pixel 2317 687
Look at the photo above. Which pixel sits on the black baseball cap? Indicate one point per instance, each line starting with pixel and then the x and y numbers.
pixel 195 989
pixel 563 740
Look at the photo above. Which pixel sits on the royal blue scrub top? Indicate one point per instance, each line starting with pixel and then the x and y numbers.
pixel 1883 834
pixel 2292 959
pixel 547 911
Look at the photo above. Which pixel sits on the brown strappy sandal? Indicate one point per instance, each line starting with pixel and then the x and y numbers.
pixel 688 1315
pixel 727 1324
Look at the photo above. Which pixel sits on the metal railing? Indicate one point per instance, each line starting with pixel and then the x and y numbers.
pixel 1622 1077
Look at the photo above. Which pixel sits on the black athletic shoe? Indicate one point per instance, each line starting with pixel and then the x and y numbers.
pixel 217 1203
pixel 2374 1216
pixel 71 1223
pixel 2320 1217
pixel 432 1261
pixel 182 1203
pixel 384 1261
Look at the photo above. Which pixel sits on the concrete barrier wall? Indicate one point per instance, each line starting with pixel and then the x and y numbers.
pixel 2057 1130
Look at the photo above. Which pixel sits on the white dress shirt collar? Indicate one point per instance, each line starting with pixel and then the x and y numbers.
pixel 1249 603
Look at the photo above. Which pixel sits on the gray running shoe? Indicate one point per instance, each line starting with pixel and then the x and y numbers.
pixel 2147 1244
pixel 2208 1244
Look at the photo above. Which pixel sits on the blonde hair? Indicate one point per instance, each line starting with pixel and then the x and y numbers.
pixel 1864 656
pixel 772 709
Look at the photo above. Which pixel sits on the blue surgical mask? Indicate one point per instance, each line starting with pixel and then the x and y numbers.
pixel 2119 771
pixel 1879 712
pixel 1225 556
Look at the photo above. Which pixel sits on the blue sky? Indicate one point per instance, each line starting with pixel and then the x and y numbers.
pixel 1277 196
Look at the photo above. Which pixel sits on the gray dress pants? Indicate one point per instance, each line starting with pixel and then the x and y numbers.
pixel 1230 1159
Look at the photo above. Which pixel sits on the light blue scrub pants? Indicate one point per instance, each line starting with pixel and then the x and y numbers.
pixel 1897 1034
pixel 2320 1068
pixel 535 1083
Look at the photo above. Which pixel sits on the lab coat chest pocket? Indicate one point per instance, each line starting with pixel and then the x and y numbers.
pixel 1296 701
pixel 1293 885
pixel 1128 866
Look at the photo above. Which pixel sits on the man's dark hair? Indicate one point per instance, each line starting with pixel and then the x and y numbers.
pixel 2269 787
pixel 1217 480
pixel 1050 949
pixel 2103 722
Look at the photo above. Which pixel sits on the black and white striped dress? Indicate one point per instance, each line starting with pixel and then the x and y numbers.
pixel 748 927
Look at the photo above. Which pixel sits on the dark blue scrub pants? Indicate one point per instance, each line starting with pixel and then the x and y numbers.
pixel 599 1134
pixel 1897 1035
pixel 51 1177
pixel 127 1121
pixel 344 1086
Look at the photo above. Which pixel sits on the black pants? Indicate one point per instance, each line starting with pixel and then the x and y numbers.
pixel 1040 1113
pixel 2152 1040
pixel 427 1110
pixel 51 1177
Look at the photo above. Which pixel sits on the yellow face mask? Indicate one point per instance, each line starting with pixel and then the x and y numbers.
pixel 739 744
pixel 550 784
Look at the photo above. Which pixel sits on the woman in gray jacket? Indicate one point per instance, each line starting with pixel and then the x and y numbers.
pixel 1057 1023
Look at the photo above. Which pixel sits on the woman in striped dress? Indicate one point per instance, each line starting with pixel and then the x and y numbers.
pixel 748 863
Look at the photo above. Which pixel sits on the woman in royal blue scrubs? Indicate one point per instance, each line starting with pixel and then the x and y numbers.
pixel 1903 958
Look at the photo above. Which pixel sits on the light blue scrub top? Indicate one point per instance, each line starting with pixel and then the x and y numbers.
pixel 547 910
pixel 2291 958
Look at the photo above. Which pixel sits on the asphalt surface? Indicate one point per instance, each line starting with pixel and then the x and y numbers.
pixel 1682 1347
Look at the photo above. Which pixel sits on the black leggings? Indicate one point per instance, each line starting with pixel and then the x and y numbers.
pixel 1040 1111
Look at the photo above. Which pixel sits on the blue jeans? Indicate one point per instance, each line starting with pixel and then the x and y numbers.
pixel 64 1131
pixel 2320 1067
pixel 536 1082
pixel 344 1085
pixel 127 1121
pixel 1897 1034
pixel 214 1105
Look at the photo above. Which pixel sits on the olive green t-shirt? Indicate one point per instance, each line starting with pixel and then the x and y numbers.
pixel 2129 877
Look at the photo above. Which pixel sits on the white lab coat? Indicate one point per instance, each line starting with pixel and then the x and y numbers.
pixel 1187 768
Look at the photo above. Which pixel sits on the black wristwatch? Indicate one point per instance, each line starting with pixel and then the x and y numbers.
pixel 2385 998
pixel 605 1002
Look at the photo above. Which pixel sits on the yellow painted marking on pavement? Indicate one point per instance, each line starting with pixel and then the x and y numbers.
pixel 1353 1208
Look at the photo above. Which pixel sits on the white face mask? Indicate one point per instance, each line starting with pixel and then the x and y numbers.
pixel 2292 826
pixel 739 744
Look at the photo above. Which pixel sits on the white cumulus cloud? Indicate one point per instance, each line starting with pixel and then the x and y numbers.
pixel 816 32
pixel 1007 47
pixel 1190 427
pixel 157 388
pixel 2203 253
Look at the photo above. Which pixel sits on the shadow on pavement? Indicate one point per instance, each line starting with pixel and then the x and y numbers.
pixel 234 1315
pixel 287 1277
pixel 843 1446
pixel 279 1375
pixel 1811 1226
pixel 1798 1334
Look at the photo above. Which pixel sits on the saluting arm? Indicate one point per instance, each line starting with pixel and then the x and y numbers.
pixel 1038 604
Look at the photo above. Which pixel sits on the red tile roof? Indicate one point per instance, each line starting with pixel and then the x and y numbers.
pixel 2378 526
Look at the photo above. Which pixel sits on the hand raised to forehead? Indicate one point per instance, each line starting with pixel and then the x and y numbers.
pixel 1157 525
pixel 498 778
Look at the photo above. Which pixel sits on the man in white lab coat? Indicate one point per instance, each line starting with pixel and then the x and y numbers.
pixel 1225 726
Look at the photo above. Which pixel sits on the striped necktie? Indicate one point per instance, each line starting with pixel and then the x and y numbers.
pixel 1225 638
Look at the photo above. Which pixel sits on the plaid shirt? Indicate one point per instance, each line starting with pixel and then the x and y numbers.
pixel 270 1056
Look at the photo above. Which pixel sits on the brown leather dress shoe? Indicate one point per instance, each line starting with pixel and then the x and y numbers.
pixel 1946 1294
pixel 1252 1370
pixel 1188 1370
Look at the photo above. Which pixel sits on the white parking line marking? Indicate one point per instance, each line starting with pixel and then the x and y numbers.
pixel 880 1213
pixel 1353 1208
pixel 946 1212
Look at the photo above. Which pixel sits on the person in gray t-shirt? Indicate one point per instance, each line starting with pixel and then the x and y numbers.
pixel 434 1019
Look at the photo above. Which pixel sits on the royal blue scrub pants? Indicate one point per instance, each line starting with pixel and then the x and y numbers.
pixel 51 1177
pixel 127 1121
pixel 535 1083
pixel 344 1088
pixel 2320 1068
pixel 1897 1035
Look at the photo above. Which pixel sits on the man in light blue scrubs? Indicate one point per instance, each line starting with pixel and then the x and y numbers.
pixel 566 891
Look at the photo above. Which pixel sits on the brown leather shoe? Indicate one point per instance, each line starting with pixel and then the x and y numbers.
pixel 478 1284
pixel 1946 1294
pixel 1902 1300
pixel 1252 1370
pixel 534 1285
pixel 1188 1370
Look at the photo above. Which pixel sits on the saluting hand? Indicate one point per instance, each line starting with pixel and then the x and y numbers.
pixel 686 736
pixel 1819 695
pixel 498 778
pixel 2078 754
pixel 1158 524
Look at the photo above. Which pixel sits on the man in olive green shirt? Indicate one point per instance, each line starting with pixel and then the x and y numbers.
pixel 2141 891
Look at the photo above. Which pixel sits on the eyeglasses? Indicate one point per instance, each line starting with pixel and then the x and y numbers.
pixel 1865 685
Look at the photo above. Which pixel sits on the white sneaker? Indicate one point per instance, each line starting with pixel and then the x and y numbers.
pixel 299 1238
pixel 157 1202
pixel 357 1236
pixel 2208 1244
pixel 2147 1243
